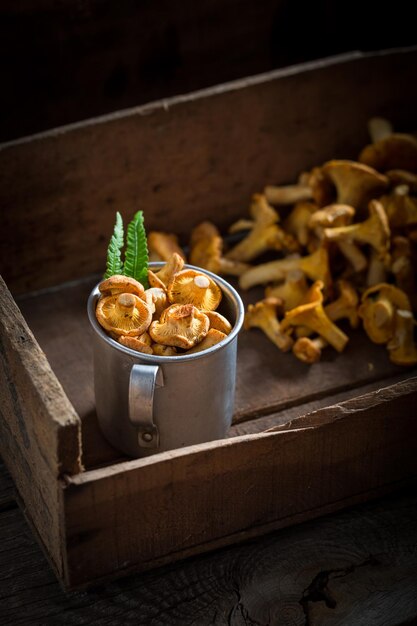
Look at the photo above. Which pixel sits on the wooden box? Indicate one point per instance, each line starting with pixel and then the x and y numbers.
pixel 343 431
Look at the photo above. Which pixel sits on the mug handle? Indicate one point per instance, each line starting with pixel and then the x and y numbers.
pixel 142 383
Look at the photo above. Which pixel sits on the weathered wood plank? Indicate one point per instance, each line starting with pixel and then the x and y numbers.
pixel 268 382
pixel 7 492
pixel 35 410
pixel 285 416
pixel 73 61
pixel 161 507
pixel 39 429
pixel 186 159
pixel 363 562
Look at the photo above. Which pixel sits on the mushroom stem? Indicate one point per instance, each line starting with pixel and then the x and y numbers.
pixel 383 312
pixel 292 291
pixel 402 349
pixel 376 270
pixel 263 315
pixel 314 317
pixel 287 194
pixel 353 254
pixel 126 303
pixel 315 266
pixel 374 231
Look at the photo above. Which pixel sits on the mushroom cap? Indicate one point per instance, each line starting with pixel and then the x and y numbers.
pixel 298 220
pixel 321 187
pixel 355 182
pixel 123 314
pixel 121 284
pixel 163 245
pixel 204 230
pixel 206 252
pixel 346 305
pixel 181 325
pixel 332 215
pixel 135 343
pixel 162 278
pixel 377 310
pixel 402 177
pixel 218 322
pixel 193 287
pixel 401 208
pixel 212 338
pixel 312 315
pixel 397 151
pixel 306 350
pixel 392 293
pixel 258 312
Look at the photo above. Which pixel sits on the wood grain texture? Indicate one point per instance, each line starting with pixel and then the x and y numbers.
pixel 186 159
pixel 139 513
pixel 7 492
pixel 39 429
pixel 66 62
pixel 356 568
pixel 269 383
pixel 36 415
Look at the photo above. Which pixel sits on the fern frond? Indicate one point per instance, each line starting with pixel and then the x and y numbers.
pixel 114 263
pixel 136 256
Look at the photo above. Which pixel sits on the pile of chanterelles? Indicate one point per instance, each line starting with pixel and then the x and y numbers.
pixel 175 315
pixel 345 248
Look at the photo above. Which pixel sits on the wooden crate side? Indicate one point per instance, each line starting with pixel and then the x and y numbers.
pixel 39 429
pixel 146 512
pixel 186 159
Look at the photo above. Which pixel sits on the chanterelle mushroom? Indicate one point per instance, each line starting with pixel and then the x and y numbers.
pixel 297 222
pixel 400 207
pixel 265 234
pixel 124 314
pixel 292 292
pixel 377 310
pixel 402 348
pixel 163 277
pixel 118 284
pixel 181 325
pixel 315 266
pixel 313 316
pixel 207 249
pixel 162 246
pixel 212 338
pixel 136 343
pixel 218 322
pixel 346 305
pixel 355 183
pixel 263 315
pixel 396 151
pixel 287 194
pixel 156 298
pixel 309 350
pixel 192 287
pixel 375 231
pixel 333 216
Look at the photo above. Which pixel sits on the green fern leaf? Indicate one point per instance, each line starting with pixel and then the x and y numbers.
pixel 114 260
pixel 136 257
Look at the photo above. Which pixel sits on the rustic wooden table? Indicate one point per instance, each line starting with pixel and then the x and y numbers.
pixel 354 568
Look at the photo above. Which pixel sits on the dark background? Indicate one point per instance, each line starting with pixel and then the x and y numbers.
pixel 67 60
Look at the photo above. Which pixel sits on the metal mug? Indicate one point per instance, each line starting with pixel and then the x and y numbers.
pixel 149 403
